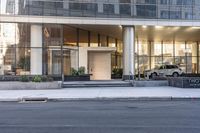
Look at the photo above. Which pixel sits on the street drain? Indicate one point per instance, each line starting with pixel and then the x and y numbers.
pixel 34 100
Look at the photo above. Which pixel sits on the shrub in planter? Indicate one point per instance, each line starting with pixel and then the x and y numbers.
pixel 46 78
pixel 24 78
pixel 117 72
pixel 80 71
pixel 37 78
pixel 74 72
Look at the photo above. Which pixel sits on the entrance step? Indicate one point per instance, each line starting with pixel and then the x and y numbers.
pixel 84 84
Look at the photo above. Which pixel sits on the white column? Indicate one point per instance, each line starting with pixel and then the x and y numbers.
pixel 83 58
pixel 36 49
pixel 128 52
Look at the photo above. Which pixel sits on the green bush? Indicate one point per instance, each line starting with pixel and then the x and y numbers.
pixel 46 78
pixel 24 78
pixel 80 71
pixel 117 72
pixel 37 78
pixel 74 72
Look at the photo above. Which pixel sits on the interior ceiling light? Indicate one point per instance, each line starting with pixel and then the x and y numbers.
pixel 158 27
pixel 144 26
pixel 120 26
pixel 195 27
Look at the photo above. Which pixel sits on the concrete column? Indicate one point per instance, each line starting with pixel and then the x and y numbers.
pixel 36 49
pixel 83 58
pixel 128 52
pixel 74 59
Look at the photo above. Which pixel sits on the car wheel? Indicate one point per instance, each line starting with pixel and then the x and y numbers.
pixel 153 75
pixel 175 74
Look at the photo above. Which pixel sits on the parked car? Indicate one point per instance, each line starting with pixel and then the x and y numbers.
pixel 164 70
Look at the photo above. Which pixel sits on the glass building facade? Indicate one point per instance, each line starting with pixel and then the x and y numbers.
pixel 150 55
pixel 62 43
pixel 60 48
pixel 147 9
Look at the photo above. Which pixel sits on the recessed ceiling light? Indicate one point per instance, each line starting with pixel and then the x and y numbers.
pixel 158 27
pixel 195 27
pixel 144 26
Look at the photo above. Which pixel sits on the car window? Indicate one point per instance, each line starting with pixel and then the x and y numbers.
pixel 162 67
pixel 174 66
pixel 168 67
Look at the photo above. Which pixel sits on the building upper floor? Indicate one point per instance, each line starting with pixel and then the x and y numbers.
pixel 137 9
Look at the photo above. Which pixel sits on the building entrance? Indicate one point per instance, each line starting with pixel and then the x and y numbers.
pixel 99 65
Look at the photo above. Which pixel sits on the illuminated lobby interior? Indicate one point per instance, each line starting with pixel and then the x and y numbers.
pixel 98 48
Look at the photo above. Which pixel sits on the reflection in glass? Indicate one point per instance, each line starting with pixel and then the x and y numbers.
pixel 112 42
pixel 23 61
pixel 180 49
pixel 103 41
pixel 70 36
pixel 168 49
pixel 83 38
pixel 151 9
pixel 93 40
pixel 7 61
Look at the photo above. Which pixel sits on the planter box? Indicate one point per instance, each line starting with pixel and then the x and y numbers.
pixel 185 82
pixel 78 78
pixel 30 85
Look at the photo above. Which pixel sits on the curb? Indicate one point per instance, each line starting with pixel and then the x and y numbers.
pixel 128 98
pixel 106 99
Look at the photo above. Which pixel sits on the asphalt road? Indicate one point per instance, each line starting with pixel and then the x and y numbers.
pixel 101 117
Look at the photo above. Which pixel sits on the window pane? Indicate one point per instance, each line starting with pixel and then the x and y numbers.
pixel 103 41
pixel 168 49
pixel 181 62
pixel 23 61
pixel 93 39
pixel 191 49
pixel 191 64
pixel 70 36
pixel 168 60
pixel 180 49
pixel 7 61
pixel 142 48
pixel 112 42
pixel 156 49
pixel 143 64
pixel 54 61
pixel 52 35
pixel 156 62
pixel 83 38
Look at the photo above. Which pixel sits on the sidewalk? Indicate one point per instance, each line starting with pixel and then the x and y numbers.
pixel 144 93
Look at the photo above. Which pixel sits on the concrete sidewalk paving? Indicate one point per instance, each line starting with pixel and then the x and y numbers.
pixel 102 93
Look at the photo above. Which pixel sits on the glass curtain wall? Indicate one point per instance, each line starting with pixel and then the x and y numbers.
pixel 150 55
pixel 148 9
pixel 60 49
